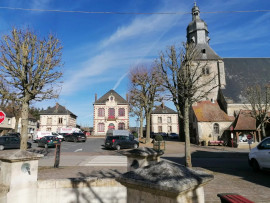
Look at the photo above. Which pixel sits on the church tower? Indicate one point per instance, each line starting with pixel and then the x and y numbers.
pixel 212 64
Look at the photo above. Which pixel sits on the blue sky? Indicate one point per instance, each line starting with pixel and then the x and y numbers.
pixel 99 49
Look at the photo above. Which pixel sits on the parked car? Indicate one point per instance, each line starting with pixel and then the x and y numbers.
pixel 259 157
pixel 11 142
pixel 13 134
pixel 121 141
pixel 48 141
pixel 173 136
pixel 75 137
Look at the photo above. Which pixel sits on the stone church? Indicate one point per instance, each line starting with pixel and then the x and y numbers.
pixel 220 116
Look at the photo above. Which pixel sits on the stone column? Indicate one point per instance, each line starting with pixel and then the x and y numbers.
pixel 165 182
pixel 19 173
pixel 138 158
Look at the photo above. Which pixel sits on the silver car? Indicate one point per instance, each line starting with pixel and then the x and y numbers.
pixel 259 157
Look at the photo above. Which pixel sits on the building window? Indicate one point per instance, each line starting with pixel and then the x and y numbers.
pixel 160 129
pixel 111 113
pixel 159 120
pixel 101 127
pixel 60 120
pixel 121 112
pixel 121 126
pixel 101 112
pixel 111 126
pixel 216 128
pixel 205 71
pixel 49 129
pixel 49 121
pixel 169 129
pixel 111 98
pixel 169 119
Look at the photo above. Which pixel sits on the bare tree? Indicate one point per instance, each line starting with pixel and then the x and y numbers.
pixel 146 85
pixel 136 109
pixel 259 99
pixel 185 79
pixel 28 65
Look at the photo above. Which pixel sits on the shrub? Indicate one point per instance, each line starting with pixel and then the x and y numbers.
pixel 158 138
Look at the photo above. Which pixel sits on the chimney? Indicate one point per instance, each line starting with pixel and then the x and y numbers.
pixel 95 97
pixel 127 97
pixel 162 105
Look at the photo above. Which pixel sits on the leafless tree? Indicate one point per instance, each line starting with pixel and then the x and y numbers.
pixel 259 99
pixel 186 82
pixel 146 86
pixel 29 66
pixel 136 109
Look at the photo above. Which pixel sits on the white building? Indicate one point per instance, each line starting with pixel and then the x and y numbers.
pixel 56 117
pixel 111 111
pixel 164 120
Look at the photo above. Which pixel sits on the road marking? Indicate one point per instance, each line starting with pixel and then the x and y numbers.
pixel 78 150
pixel 106 161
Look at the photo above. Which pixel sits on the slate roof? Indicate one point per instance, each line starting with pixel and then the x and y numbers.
pixel 209 54
pixel 206 111
pixel 105 97
pixel 244 121
pixel 57 110
pixel 162 109
pixel 243 72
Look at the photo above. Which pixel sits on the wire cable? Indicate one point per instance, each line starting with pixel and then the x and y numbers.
pixel 129 13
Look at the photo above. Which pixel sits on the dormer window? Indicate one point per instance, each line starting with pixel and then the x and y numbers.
pixel 204 51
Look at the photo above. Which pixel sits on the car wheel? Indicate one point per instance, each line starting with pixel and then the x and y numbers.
pixel 117 147
pixel 255 166
pixel 2 147
pixel 135 146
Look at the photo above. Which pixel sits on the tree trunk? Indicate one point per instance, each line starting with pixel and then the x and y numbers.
pixel 141 127
pixel 16 123
pixel 24 121
pixel 263 130
pixel 147 127
pixel 187 135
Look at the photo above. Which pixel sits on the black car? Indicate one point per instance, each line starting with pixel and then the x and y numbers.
pixel 11 142
pixel 14 134
pixel 75 137
pixel 48 141
pixel 121 141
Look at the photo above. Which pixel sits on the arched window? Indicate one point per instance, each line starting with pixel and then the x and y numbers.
pixel 101 127
pixel 121 112
pixel 121 126
pixel 111 126
pixel 101 112
pixel 216 128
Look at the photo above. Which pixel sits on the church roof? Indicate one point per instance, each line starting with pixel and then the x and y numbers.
pixel 206 111
pixel 57 110
pixel 243 72
pixel 205 52
pixel 162 109
pixel 105 97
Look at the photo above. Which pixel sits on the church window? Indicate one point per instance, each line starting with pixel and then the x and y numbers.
pixel 216 128
pixel 101 112
pixel 121 112
pixel 205 71
pixel 203 51
pixel 101 127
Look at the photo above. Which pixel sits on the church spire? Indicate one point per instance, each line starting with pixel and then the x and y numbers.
pixel 197 31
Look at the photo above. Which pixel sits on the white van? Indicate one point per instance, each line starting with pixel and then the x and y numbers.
pixel 40 134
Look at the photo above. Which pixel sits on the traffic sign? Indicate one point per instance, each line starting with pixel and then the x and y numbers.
pixel 249 136
pixel 2 116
